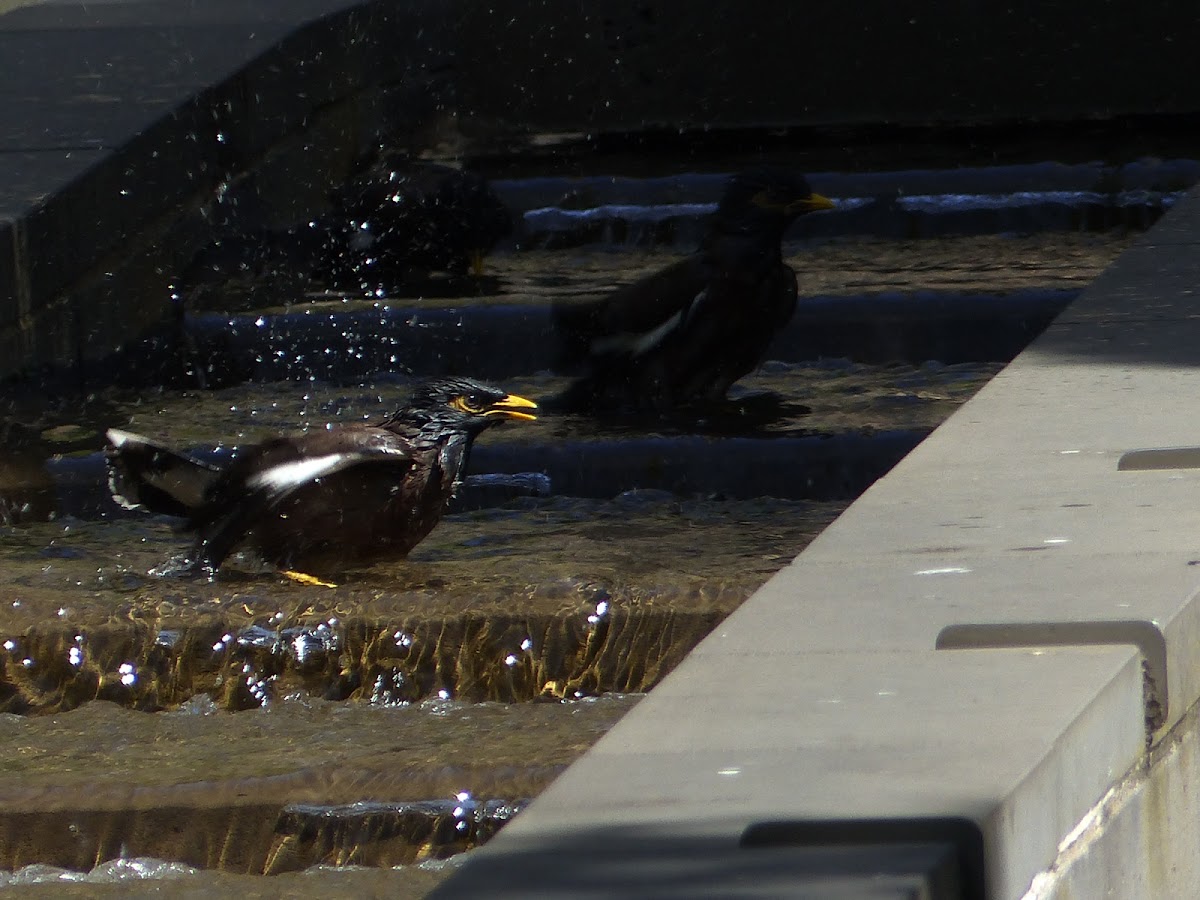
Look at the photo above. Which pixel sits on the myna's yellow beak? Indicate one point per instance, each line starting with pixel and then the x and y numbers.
pixel 513 407
pixel 811 203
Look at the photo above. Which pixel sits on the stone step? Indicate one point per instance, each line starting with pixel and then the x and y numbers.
pixel 303 783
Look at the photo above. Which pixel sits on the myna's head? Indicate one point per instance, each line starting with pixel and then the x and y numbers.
pixel 767 199
pixel 463 404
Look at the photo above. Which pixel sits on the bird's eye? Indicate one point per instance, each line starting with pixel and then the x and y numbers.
pixel 467 403
pixel 767 198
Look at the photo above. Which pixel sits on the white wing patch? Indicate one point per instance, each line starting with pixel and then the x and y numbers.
pixel 291 475
pixel 638 344
pixel 114 489
pixel 651 339
pixel 119 438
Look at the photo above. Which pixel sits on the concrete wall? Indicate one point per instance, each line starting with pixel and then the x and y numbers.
pixel 1141 839
pixel 579 66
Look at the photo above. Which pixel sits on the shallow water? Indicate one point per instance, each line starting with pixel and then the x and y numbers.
pixel 158 878
pixel 84 620
pixel 642 576
pixel 304 783
pixel 825 396
pixel 518 632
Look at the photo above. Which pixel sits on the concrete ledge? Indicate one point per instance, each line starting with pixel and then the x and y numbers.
pixel 862 737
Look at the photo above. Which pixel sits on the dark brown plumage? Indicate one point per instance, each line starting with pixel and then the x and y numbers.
pixel 691 330
pixel 399 216
pixel 323 500
pixel 395 220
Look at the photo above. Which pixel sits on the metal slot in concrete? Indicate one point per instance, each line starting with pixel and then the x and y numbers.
pixel 1144 635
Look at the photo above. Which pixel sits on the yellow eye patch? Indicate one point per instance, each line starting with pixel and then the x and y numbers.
pixel 510 406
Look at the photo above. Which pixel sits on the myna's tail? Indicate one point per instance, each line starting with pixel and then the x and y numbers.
pixel 147 475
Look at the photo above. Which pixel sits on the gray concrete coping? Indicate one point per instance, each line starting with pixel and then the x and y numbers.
pixel 825 699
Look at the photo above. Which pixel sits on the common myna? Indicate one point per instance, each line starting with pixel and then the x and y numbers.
pixel 322 500
pixel 398 216
pixel 691 330
pixel 395 220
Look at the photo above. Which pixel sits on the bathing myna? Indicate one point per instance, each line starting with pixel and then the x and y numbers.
pixel 322 500
pixel 398 216
pixel 395 220
pixel 691 330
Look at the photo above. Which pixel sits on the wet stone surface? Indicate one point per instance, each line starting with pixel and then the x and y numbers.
pixel 849 266
pixel 844 266
pixel 302 783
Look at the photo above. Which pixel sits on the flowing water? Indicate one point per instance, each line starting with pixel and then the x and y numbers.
pixel 251 726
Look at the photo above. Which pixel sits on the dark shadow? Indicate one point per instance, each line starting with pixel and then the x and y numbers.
pixel 961 834
pixel 937 859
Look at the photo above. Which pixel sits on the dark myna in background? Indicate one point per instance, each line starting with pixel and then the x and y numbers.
pixel 691 330
pixel 322 500
pixel 395 220
pixel 398 217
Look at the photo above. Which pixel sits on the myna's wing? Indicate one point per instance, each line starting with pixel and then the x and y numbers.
pixel 277 468
pixel 143 473
pixel 272 471
pixel 633 315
